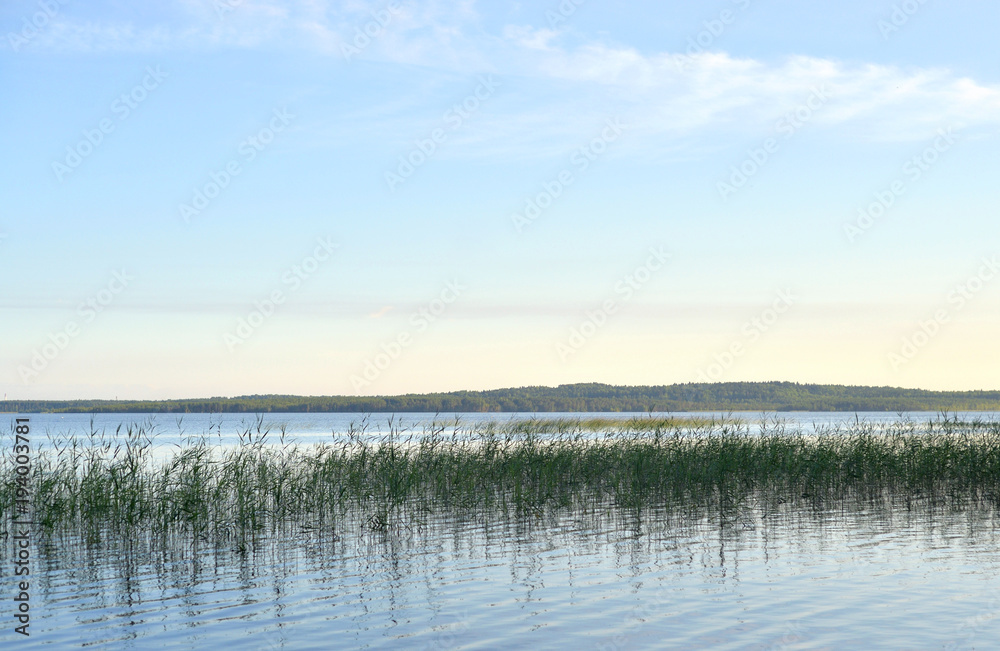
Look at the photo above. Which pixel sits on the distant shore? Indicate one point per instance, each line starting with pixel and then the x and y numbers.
pixel 727 396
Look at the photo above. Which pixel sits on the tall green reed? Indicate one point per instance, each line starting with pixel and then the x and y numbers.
pixel 122 484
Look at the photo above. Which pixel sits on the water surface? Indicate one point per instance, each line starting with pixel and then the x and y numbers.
pixel 310 428
pixel 877 575
pixel 892 579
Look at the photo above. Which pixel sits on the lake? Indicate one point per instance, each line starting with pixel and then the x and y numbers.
pixel 308 428
pixel 892 575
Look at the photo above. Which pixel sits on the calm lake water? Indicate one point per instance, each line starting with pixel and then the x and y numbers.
pixel 833 580
pixel 309 428
pixel 873 577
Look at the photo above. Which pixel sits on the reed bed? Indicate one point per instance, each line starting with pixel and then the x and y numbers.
pixel 118 485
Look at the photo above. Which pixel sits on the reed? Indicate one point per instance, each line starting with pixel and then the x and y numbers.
pixel 116 485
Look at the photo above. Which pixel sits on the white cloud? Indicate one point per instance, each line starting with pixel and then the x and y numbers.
pixel 715 90
pixel 715 94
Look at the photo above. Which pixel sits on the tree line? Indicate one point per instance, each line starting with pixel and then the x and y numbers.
pixel 727 396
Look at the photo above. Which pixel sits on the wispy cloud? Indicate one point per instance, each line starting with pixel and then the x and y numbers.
pixel 662 101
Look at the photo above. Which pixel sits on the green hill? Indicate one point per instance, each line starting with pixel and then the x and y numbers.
pixel 735 396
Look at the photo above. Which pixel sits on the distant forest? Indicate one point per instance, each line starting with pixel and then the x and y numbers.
pixel 729 396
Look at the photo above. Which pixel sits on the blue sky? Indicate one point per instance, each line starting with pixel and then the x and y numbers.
pixel 216 197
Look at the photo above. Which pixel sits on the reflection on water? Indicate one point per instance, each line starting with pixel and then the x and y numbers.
pixel 764 576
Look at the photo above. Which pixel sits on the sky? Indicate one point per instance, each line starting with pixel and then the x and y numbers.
pixel 225 197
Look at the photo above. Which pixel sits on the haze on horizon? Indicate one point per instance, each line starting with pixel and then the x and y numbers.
pixel 233 197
